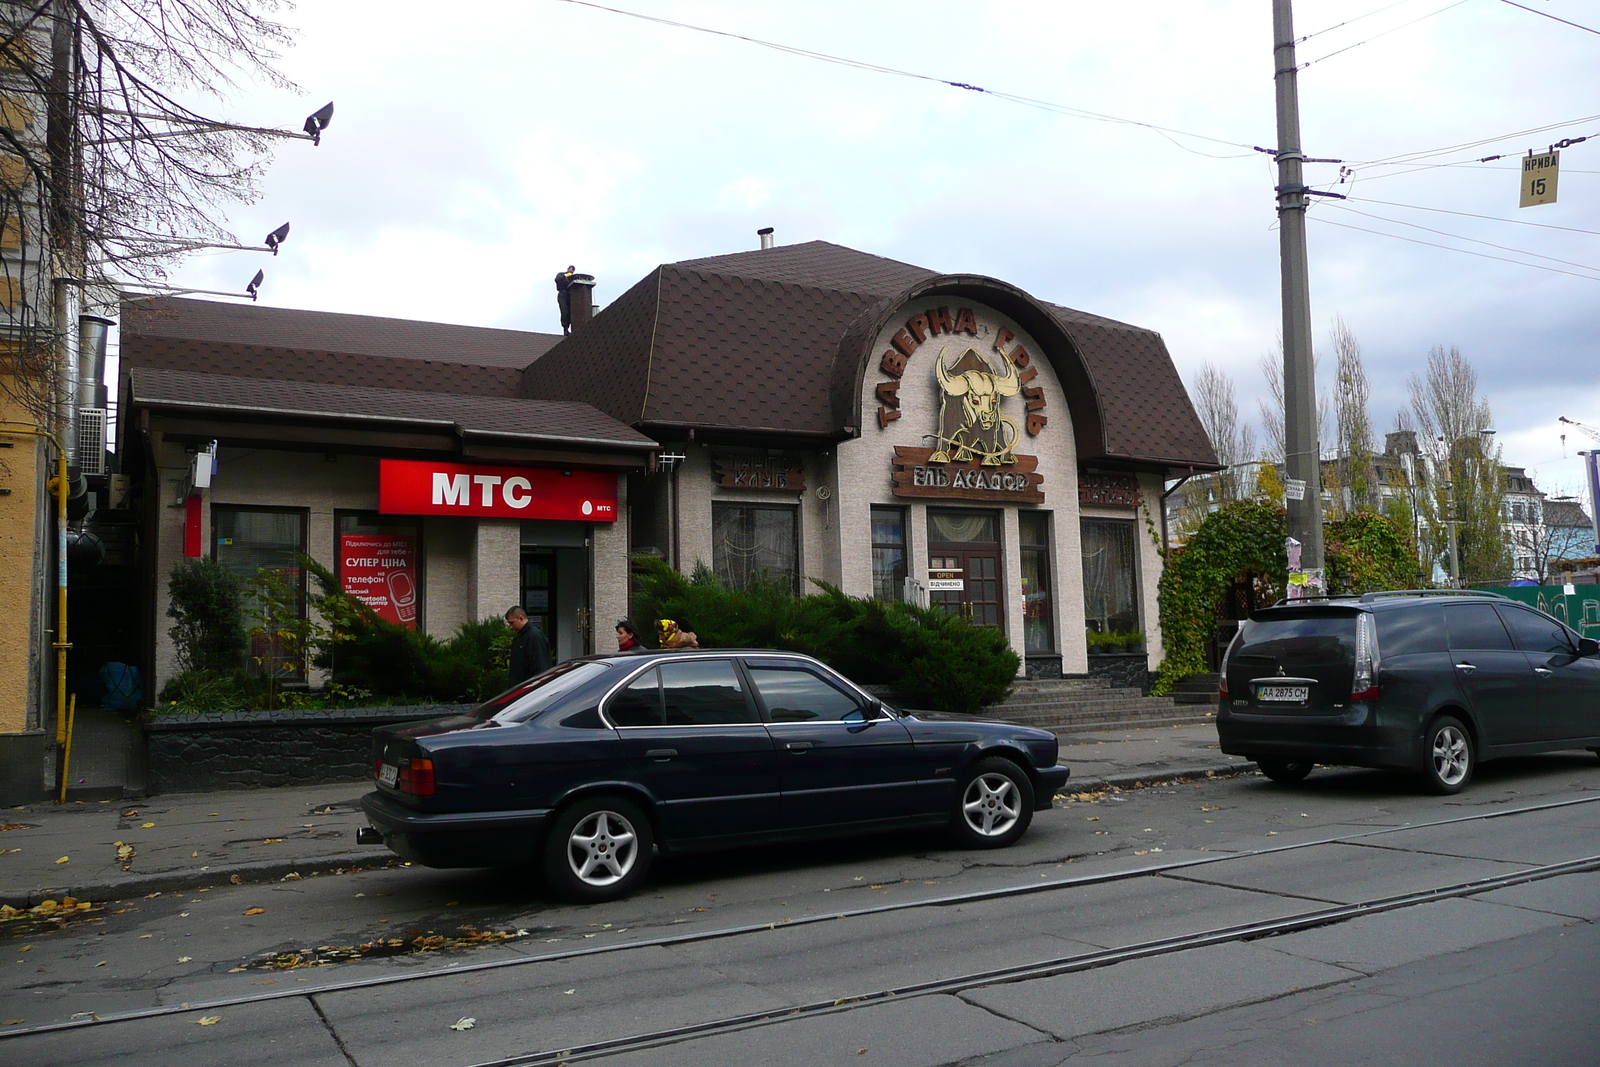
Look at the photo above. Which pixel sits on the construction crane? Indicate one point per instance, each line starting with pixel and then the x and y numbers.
pixel 1592 475
pixel 1590 430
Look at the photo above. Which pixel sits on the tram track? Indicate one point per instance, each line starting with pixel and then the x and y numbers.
pixel 1044 968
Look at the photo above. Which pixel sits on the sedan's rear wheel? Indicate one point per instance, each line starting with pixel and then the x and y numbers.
pixel 994 806
pixel 1285 772
pixel 598 849
pixel 1448 756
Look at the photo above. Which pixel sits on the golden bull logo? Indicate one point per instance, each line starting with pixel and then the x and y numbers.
pixel 970 423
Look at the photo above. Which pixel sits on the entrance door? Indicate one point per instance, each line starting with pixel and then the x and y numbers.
pixel 555 592
pixel 978 571
pixel 964 564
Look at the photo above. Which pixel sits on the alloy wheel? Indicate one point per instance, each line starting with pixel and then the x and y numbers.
pixel 992 804
pixel 602 848
pixel 1450 755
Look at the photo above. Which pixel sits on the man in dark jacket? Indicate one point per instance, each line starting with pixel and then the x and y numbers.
pixel 530 652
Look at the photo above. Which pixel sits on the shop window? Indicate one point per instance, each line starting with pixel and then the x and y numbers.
pixel 751 541
pixel 263 543
pixel 378 564
pixel 888 553
pixel 1110 576
pixel 962 527
pixel 1038 606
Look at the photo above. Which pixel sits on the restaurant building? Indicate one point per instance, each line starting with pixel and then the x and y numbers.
pixel 804 411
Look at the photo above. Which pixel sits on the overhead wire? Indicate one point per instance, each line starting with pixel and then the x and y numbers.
pixel 1472 215
pixel 1459 237
pixel 877 68
pixel 1452 248
pixel 1358 18
pixel 1385 33
pixel 1546 14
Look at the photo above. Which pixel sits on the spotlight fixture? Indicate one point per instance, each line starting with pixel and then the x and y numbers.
pixel 318 121
pixel 277 237
pixel 255 283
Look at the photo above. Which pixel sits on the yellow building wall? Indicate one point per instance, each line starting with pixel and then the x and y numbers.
pixel 19 517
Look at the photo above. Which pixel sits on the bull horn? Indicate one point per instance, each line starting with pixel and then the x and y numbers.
pixel 1007 384
pixel 952 386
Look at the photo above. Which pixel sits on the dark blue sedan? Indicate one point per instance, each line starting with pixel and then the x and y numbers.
pixel 589 768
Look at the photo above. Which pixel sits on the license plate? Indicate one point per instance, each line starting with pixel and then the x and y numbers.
pixel 1285 694
pixel 389 775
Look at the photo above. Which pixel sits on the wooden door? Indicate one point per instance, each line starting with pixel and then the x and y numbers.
pixel 978 570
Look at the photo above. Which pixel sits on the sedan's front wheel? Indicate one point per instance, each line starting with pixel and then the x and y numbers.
pixel 598 849
pixel 995 805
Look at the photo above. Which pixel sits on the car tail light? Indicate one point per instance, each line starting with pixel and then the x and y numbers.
pixel 1222 683
pixel 377 766
pixel 416 778
pixel 1364 685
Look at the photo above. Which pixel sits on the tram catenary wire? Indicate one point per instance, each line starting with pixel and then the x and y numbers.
pixel 721 933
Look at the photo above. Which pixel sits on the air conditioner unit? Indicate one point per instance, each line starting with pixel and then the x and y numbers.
pixel 92 441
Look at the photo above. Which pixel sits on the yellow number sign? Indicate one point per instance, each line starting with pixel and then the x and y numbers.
pixel 1539 175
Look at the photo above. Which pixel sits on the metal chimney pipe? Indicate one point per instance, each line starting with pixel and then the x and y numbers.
pixel 581 291
pixel 765 233
pixel 65 315
pixel 92 360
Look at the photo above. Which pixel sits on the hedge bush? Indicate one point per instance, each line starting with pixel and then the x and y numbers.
pixel 207 610
pixel 934 659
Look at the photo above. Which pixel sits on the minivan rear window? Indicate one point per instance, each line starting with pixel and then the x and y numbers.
pixel 1476 627
pixel 1409 630
pixel 1320 638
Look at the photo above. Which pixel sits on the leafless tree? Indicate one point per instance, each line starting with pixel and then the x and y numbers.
pixel 1449 415
pixel 122 173
pixel 1234 442
pixel 1352 424
pixel 1272 405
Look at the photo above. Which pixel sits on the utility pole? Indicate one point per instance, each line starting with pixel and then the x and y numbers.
pixel 1301 452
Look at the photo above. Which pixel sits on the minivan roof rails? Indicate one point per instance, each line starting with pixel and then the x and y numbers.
pixel 1367 598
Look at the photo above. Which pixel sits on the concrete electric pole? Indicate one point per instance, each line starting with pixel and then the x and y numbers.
pixel 1302 470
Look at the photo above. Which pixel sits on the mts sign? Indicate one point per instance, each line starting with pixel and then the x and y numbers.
pixel 421 487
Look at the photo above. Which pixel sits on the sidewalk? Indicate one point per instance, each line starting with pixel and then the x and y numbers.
pixel 189 840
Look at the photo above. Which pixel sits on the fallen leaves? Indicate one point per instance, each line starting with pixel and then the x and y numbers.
pixel 234 879
pixel 1210 807
pixel 272 841
pixel 464 1024
pixel 185 959
pixel 15 826
pixel 102 963
pixel 147 826
pixel 325 955
pixel 208 1020
pixel 124 852
pixel 254 911
pixel 64 859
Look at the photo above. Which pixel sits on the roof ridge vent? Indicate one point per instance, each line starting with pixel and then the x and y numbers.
pixel 765 233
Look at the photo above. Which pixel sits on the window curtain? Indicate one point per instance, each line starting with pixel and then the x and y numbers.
pixel 1110 581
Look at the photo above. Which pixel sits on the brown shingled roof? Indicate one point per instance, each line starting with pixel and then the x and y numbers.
pixel 251 324
pixel 752 342
pixel 316 365
pixel 548 421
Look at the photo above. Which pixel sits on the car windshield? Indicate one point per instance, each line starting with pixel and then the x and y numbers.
pixel 526 699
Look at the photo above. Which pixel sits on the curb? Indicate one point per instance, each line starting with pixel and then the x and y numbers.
pixel 138 885
pixel 1151 777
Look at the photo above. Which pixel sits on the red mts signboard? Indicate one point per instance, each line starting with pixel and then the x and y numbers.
pixel 420 487
pixel 380 570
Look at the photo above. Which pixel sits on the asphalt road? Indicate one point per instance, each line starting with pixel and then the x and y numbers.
pixel 1501 976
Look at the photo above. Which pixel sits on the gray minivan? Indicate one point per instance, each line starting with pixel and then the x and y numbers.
pixel 1426 681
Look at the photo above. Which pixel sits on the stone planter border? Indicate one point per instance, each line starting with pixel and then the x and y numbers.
pixel 1126 670
pixel 253 749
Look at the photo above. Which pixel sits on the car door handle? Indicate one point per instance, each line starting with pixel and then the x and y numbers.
pixel 661 753
pixel 798 746
pixel 1541 670
pixel 1466 667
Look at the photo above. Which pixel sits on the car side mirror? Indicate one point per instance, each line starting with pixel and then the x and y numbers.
pixel 1588 646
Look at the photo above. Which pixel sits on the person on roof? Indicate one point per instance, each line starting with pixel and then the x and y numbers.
pixel 564 297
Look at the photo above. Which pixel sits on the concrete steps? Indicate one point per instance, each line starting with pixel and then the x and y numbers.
pixel 1081 704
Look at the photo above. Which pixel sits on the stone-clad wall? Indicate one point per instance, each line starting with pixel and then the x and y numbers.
pixel 249 750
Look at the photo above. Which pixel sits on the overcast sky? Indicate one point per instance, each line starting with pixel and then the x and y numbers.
pixel 475 151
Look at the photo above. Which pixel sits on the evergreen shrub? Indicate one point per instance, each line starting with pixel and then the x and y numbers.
pixel 207 610
pixel 936 660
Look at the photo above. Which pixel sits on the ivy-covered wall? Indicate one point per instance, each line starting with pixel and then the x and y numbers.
pixel 1364 553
